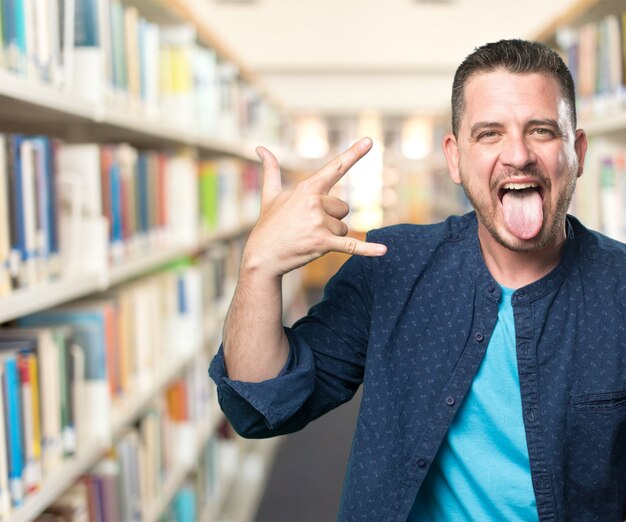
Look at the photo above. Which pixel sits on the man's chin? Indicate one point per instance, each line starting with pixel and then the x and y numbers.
pixel 525 245
pixel 528 246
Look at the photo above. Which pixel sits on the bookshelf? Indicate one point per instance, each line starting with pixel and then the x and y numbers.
pixel 176 101
pixel 590 37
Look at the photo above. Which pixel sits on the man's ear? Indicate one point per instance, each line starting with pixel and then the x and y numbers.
pixel 451 150
pixel 580 145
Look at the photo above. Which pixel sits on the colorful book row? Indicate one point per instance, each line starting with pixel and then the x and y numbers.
pixel 112 54
pixel 600 197
pixel 65 370
pixel 596 55
pixel 67 209
pixel 128 483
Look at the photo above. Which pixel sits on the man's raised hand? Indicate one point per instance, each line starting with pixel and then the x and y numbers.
pixel 303 223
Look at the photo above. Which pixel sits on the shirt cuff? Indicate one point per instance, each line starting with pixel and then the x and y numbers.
pixel 276 399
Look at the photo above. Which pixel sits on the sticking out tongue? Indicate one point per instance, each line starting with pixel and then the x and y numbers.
pixel 523 212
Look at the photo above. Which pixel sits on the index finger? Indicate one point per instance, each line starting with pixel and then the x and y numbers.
pixel 334 170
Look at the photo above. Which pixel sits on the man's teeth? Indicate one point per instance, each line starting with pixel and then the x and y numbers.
pixel 519 186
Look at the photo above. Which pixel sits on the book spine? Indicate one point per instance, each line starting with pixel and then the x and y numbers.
pixel 86 25
pixel 32 469
pixel 18 46
pixel 14 430
pixel 5 494
pixel 29 213
pixel 53 214
pixel 5 228
pixel 17 218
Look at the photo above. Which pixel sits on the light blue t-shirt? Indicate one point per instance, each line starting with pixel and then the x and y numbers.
pixel 481 471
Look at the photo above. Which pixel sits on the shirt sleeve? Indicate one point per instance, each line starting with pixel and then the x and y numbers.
pixel 325 365
pixel 256 408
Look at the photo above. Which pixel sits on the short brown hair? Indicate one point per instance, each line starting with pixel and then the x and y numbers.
pixel 515 56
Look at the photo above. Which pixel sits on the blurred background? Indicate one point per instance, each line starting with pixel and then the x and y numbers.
pixel 128 186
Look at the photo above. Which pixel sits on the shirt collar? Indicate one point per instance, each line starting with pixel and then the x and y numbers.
pixel 487 284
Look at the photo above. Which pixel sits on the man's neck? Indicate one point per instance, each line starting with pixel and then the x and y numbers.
pixel 517 269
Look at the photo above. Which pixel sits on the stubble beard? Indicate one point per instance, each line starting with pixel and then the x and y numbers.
pixel 550 227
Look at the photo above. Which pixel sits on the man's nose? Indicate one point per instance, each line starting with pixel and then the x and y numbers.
pixel 517 153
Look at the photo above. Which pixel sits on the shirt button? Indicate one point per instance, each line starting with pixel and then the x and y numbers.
pixel 491 288
pixel 450 401
pixel 421 463
pixel 531 416
pixel 479 337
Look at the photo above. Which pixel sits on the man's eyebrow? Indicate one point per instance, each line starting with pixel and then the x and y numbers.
pixel 547 121
pixel 480 125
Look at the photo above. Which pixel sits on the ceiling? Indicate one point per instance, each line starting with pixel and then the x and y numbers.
pixel 338 57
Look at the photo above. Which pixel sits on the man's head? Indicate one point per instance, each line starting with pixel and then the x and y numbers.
pixel 515 148
pixel 515 56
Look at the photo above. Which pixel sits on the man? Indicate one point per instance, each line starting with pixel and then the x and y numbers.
pixel 491 347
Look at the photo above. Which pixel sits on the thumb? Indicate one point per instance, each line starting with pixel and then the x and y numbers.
pixel 272 185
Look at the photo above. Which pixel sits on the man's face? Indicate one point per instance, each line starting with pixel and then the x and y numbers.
pixel 517 157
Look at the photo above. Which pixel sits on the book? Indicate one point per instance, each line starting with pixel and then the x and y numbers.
pixel 29 215
pixel 46 239
pixel 83 229
pixel 26 362
pixel 105 481
pixel 88 323
pixel 17 44
pixel 209 195
pixel 5 493
pixel 5 230
pixel 184 504
pixel 88 65
pixel 131 502
pixel 182 198
pixel 178 44
pixel 15 443
pixel 18 238
pixel 58 418
pixel 131 30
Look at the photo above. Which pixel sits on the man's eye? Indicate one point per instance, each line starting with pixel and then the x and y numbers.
pixel 487 134
pixel 543 132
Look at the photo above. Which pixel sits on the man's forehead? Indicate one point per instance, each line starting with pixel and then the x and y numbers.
pixel 502 95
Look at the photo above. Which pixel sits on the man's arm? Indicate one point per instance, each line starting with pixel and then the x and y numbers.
pixel 295 227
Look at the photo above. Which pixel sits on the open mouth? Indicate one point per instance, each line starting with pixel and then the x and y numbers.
pixel 522 207
pixel 525 188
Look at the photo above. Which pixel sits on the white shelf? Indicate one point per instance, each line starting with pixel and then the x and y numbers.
pixel 58 108
pixel 613 123
pixel 148 261
pixel 241 497
pixel 52 293
pixel 126 411
pixel 40 94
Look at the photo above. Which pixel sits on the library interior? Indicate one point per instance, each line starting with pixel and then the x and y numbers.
pixel 129 183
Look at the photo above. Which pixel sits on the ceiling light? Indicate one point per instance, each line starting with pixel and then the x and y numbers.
pixel 417 138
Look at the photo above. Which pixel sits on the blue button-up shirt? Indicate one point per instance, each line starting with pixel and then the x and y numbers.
pixel 412 327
